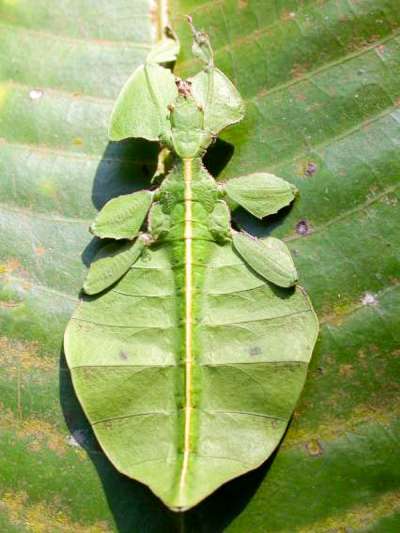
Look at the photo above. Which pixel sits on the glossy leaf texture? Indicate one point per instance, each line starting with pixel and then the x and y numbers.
pixel 321 84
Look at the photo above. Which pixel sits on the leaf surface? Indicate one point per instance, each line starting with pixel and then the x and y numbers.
pixel 321 89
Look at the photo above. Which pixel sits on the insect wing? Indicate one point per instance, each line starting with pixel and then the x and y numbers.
pixel 122 217
pixel 110 264
pixel 220 99
pixel 141 109
pixel 165 51
pixel 261 193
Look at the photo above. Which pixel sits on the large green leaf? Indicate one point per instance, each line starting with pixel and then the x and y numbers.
pixel 321 80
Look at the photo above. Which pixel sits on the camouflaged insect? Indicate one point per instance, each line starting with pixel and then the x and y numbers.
pixel 191 351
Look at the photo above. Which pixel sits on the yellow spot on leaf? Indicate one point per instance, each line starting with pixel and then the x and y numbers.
pixel 346 370
pixel 10 266
pixel 37 433
pixel 48 188
pixel 23 355
pixel 43 516
pixel 359 517
pixel 330 428
pixel 4 89
pixel 314 448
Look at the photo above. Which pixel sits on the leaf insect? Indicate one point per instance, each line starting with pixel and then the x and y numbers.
pixel 190 350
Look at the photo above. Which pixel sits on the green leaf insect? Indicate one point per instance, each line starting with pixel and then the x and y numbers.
pixel 191 351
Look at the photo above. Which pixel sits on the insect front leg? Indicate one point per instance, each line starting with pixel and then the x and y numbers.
pixel 159 222
pixel 220 222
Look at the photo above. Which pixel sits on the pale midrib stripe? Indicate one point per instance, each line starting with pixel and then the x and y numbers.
pixel 188 322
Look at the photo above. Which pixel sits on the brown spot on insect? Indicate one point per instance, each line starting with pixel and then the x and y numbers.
pixel 123 355
pixel 314 448
pixel 303 227
pixel 184 87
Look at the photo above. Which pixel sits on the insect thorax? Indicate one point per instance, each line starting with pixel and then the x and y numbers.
pixel 189 138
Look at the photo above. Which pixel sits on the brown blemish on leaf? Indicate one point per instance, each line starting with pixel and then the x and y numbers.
pixel 43 517
pixel 299 70
pixel 263 92
pixel 11 265
pixel 346 370
pixel 37 433
pixel 40 251
pixel 359 517
pixel 331 429
pixel 24 356
pixel 339 312
pixel 301 97
pixel 303 227
pixel 288 15
pixel 314 448
pixel 311 169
